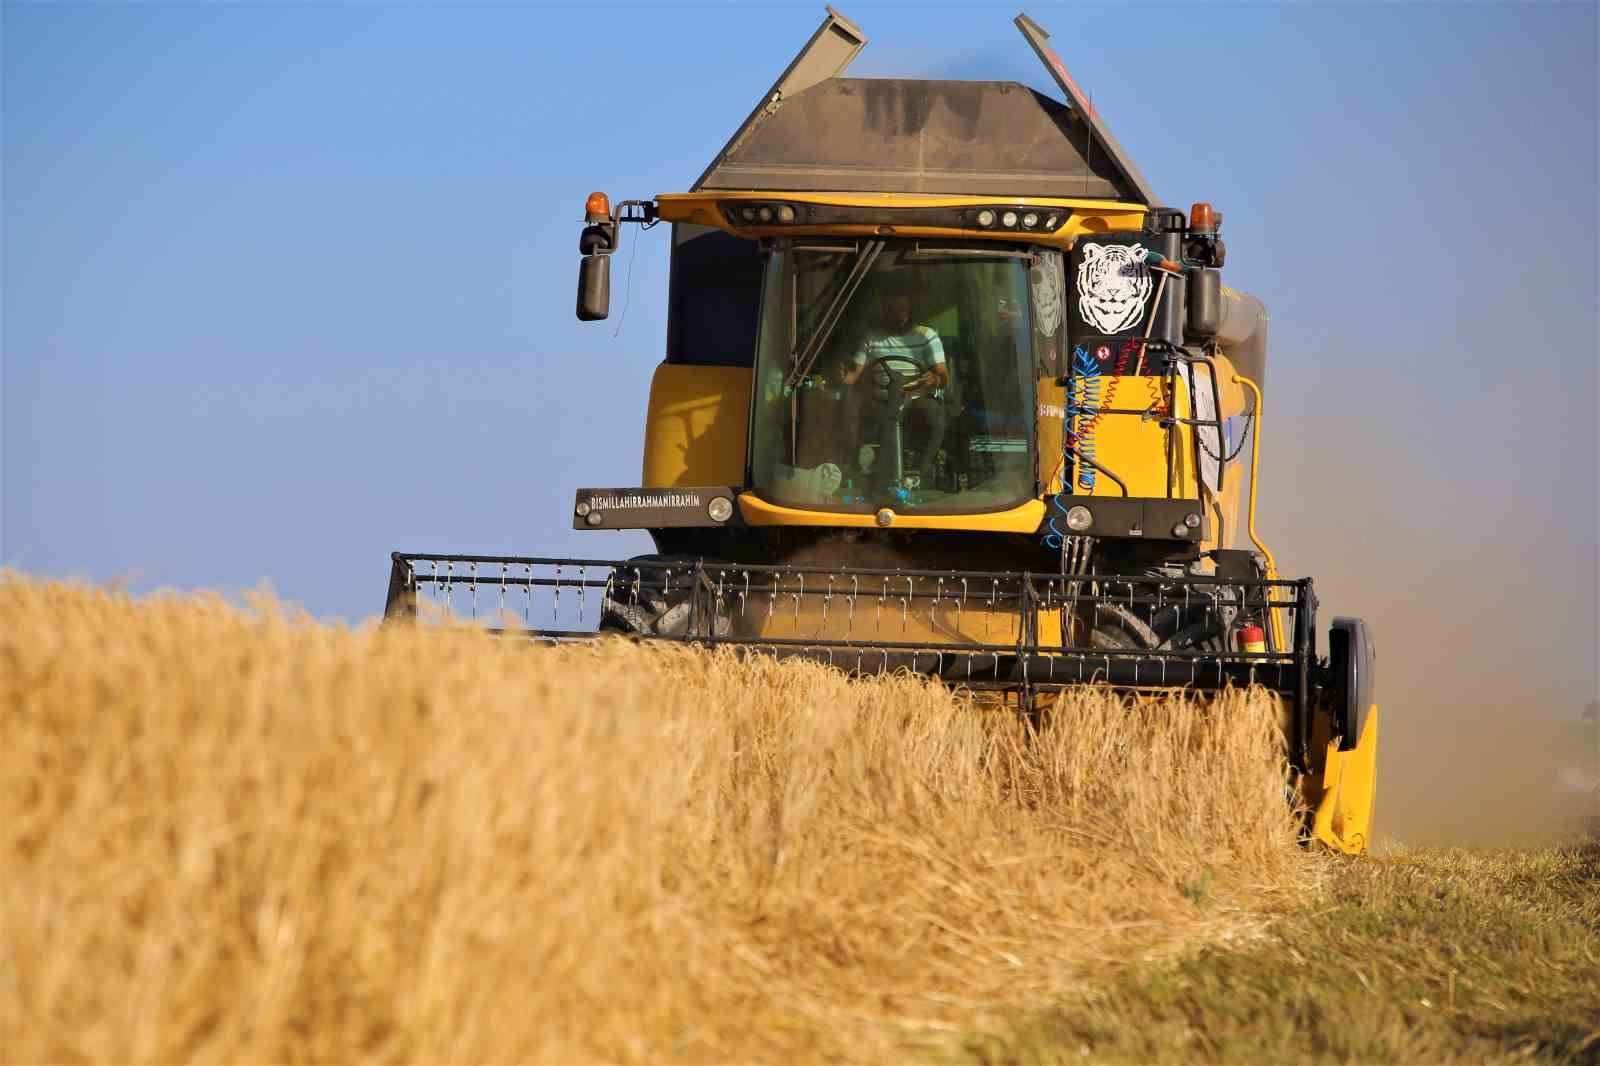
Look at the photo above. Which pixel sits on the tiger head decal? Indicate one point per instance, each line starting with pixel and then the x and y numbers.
pixel 1113 285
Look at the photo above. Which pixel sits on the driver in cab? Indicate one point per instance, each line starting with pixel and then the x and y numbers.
pixel 912 358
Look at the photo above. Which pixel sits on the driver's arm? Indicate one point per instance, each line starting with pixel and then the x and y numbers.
pixel 937 375
pixel 850 372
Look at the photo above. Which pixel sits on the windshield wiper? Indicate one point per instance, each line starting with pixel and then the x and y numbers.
pixel 865 257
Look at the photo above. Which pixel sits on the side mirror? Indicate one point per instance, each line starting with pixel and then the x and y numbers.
pixel 594 288
pixel 1205 304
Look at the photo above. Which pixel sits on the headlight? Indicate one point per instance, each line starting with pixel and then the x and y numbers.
pixel 1079 519
pixel 720 509
pixel 1009 220
pixel 986 218
pixel 1030 220
pixel 785 213
pixel 582 508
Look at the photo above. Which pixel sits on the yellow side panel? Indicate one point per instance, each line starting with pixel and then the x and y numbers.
pixel 1343 816
pixel 1135 448
pixel 695 426
pixel 1225 510
pixel 1024 519
pixel 1052 398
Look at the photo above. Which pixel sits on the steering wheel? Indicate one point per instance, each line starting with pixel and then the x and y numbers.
pixel 891 378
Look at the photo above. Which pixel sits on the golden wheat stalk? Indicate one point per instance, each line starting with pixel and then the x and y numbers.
pixel 234 835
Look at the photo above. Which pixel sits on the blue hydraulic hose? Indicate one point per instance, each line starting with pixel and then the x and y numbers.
pixel 1084 390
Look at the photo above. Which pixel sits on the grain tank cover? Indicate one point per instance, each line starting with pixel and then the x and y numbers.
pixel 911 136
pixel 817 131
pixel 1039 41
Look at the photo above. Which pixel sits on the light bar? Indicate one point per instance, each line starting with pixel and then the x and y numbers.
pixel 774 214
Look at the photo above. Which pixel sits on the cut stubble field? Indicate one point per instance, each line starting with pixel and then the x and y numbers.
pixel 236 835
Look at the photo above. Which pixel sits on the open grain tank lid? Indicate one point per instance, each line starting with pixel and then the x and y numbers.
pixel 817 131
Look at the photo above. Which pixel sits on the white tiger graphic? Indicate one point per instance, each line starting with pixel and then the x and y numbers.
pixel 1113 286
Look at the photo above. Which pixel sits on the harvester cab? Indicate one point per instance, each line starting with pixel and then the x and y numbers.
pixel 947 389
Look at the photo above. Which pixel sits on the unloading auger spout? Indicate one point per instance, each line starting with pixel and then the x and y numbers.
pixel 947 390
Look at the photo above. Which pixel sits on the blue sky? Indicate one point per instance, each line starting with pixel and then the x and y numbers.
pixel 288 287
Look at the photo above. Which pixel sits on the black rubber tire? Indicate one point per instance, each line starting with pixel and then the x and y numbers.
pixel 643 607
pixel 1169 628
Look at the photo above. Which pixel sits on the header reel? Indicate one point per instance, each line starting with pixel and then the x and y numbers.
pixel 1015 632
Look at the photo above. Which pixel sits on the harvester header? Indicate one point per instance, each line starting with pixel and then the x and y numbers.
pixel 946 388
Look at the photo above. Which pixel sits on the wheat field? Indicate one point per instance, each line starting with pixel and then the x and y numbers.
pixel 230 834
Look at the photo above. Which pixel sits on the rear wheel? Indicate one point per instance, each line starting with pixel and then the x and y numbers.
pixel 1197 622
pixel 656 598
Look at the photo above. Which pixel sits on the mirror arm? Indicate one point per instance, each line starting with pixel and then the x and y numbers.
pixel 643 212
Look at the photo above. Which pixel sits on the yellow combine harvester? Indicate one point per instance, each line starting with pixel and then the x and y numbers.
pixel 947 390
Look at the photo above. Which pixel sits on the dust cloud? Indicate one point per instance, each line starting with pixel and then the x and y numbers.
pixel 1476 567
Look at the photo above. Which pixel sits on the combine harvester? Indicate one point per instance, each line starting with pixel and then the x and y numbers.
pixel 946 390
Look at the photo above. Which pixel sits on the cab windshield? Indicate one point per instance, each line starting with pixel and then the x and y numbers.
pixel 895 373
